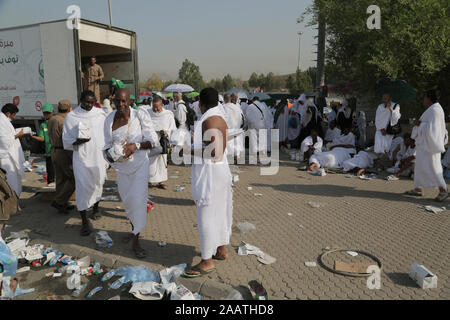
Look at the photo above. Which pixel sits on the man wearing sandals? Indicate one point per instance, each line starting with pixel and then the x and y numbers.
pixel 211 183
pixel 163 123
pixel 83 134
pixel 129 135
pixel 431 136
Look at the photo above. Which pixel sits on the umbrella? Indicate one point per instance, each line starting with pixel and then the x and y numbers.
pixel 169 95
pixel 144 96
pixel 157 93
pixel 177 87
pixel 242 94
pixel 145 93
pixel 400 90
pixel 261 95
pixel 193 94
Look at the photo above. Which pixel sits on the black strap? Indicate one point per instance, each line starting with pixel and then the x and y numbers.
pixel 262 113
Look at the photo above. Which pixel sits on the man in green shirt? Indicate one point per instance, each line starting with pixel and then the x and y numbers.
pixel 47 110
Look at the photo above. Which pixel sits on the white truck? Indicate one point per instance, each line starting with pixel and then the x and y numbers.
pixel 43 63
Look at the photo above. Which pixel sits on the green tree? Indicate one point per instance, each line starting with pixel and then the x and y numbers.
pixel 154 83
pixel 190 74
pixel 269 82
pixel 228 83
pixel 290 85
pixel 254 80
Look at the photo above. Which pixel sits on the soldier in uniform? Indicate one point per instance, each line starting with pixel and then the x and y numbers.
pixel 94 76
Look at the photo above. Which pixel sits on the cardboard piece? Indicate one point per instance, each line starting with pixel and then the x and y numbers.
pixel 422 276
pixel 353 267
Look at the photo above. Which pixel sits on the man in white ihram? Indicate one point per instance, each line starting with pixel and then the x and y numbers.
pixel 388 113
pixel 11 153
pixel 234 118
pixel 89 165
pixel 211 184
pixel 131 133
pixel 431 136
pixel 163 123
pixel 180 111
pixel 256 120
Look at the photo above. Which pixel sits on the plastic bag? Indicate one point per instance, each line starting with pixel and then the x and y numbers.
pixel 245 226
pixel 7 260
pixel 171 274
pixel 103 240
pixel 138 274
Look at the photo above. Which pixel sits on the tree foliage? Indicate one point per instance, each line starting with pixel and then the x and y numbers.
pixel 190 74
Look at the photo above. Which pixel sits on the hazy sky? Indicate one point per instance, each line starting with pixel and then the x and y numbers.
pixel 233 36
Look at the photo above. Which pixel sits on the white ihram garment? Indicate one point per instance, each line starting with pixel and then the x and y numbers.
pixel 212 193
pixel 362 160
pixel 163 120
pixel 431 137
pixel 336 157
pixel 89 165
pixel 132 174
pixel 332 134
pixel 282 124
pixel 11 155
pixel 234 119
pixel 382 118
pixel 309 142
pixel 256 121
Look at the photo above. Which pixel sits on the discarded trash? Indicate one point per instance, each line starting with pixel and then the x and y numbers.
pixel 311 264
pixel 73 282
pixel 179 189
pixel 76 293
pixel 103 240
pixel 352 253
pixel 434 209
pixel 249 188
pixel 108 275
pixel 84 262
pixel 182 293
pixel 364 177
pixel 171 274
pixel 174 177
pixel 138 274
pixel 94 291
pixel 235 169
pixel 350 176
pixel 118 208
pixel 162 244
pixel 422 276
pixel 235 178
pixel 110 198
pixel 57 275
pixel 373 176
pixel 257 290
pixel 245 226
pixel 17 245
pixel 246 249
pixel 355 267
pixel 317 204
pixel 258 194
pixel 97 269
pixel 117 284
pixel 115 298
pixel 23 269
pixel 289 214
pixel 148 290
pixel 12 289
pixel 49 274
pixel 8 261
pixel 301 226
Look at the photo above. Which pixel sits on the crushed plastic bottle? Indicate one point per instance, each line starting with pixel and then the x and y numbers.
pixel 97 269
pixel 103 240
pixel 138 274
pixel 94 291
pixel 108 275
pixel 117 284
pixel 78 291
pixel 55 259
pixel 8 261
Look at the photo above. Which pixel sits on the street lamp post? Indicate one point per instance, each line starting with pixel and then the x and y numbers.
pixel 299 41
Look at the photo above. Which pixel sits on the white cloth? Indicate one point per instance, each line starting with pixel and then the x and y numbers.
pixel 234 118
pixel 293 133
pixel 11 155
pixel 362 160
pixel 180 113
pixel 404 153
pixel 395 143
pixel 332 116
pixel 212 193
pixel 106 107
pixel 89 165
pixel 431 137
pixel 255 121
pixel 309 142
pixel 282 124
pixel 244 107
pixel 446 159
pixel 268 117
pixel 163 120
pixel 344 139
pixel 196 108
pixel 332 159
pixel 332 134
pixel 133 173
pixel 382 118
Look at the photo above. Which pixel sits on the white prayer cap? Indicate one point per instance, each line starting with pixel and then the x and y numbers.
pixel 106 103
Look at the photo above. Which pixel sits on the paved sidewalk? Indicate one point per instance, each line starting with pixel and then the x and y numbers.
pixel 372 216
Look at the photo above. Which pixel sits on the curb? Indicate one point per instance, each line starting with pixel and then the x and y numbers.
pixel 207 288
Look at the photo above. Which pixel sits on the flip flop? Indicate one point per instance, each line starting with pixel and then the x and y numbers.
pixel 85 230
pixel 128 238
pixel 442 196
pixel 218 258
pixel 162 186
pixel 139 253
pixel 414 193
pixel 200 274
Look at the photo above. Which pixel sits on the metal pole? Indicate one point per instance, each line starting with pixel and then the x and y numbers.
pixel 110 14
pixel 299 41
pixel 320 78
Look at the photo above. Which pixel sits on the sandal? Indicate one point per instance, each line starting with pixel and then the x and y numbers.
pixel 96 215
pixel 221 258
pixel 128 238
pixel 414 193
pixel 85 230
pixel 139 253
pixel 196 275
pixel 162 186
pixel 442 196
pixel 392 178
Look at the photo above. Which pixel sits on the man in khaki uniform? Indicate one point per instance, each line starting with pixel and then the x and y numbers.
pixel 62 160
pixel 94 76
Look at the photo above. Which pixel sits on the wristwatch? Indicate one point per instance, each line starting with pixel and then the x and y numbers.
pixel 138 145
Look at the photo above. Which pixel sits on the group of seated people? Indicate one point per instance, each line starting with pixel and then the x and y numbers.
pixel 338 149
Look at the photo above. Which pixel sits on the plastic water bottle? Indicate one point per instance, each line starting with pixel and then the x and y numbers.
pixel 55 259
pixel 77 292
pixel 108 275
pixel 94 291
pixel 117 284
pixel 97 268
